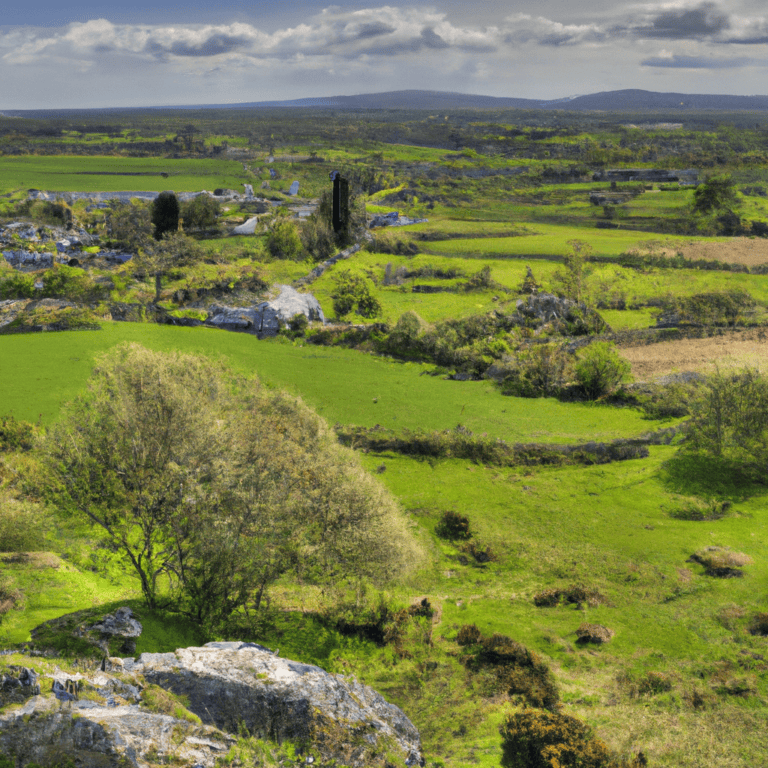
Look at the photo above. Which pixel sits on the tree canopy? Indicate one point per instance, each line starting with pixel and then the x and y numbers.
pixel 211 487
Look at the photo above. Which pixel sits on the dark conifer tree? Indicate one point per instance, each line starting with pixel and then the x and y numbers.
pixel 165 214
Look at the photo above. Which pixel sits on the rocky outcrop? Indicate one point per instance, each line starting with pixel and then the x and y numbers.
pixel 267 318
pixel 216 691
pixel 545 311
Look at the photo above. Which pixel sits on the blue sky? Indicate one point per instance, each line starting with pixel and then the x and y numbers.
pixel 87 53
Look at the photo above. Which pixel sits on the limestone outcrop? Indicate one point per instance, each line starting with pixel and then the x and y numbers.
pixel 267 318
pixel 221 688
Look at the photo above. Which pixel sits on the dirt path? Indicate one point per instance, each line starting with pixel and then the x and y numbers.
pixel 748 347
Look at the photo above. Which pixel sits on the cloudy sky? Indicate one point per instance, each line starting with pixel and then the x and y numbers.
pixel 87 53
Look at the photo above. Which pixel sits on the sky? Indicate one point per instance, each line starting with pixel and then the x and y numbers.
pixel 90 54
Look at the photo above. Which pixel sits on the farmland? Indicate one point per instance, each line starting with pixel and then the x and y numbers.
pixel 427 390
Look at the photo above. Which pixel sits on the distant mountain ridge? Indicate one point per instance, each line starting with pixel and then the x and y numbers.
pixel 629 100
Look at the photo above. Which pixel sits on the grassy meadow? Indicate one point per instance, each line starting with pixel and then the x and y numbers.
pixel 683 678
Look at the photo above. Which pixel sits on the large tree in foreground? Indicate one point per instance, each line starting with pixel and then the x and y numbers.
pixel 211 487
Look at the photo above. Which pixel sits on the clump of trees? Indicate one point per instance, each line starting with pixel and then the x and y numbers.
pixel 730 419
pixel 210 487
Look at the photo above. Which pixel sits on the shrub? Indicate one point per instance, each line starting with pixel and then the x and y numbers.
pixel 480 554
pixel 759 624
pixel 354 293
pixel 653 683
pixel 200 212
pixel 469 634
pixel 21 525
pixel 593 633
pixel 283 241
pixel 703 511
pixel 599 368
pixel 730 418
pixel 540 371
pixel 574 595
pixel 317 238
pixel 719 308
pixel 721 561
pixel 453 526
pixel 15 435
pixel 71 283
pixel 518 671
pixel 539 739
pixel 15 284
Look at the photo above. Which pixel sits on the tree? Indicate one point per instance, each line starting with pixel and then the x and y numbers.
pixel 716 193
pixel 175 250
pixel 353 292
pixel 730 419
pixel 165 214
pixel 210 487
pixel 129 225
pixel 573 277
pixel 599 368
pixel 283 241
pixel 201 212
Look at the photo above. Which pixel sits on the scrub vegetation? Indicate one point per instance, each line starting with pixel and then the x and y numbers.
pixel 516 484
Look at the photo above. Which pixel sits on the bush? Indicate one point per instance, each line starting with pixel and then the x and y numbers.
pixel 72 284
pixel 538 739
pixel 200 212
pixel 718 308
pixel 653 683
pixel 721 561
pixel 469 634
pixel 517 670
pixel 317 238
pixel 353 292
pixel 453 526
pixel 672 401
pixel 15 284
pixel 599 368
pixel 283 241
pixel 573 595
pixel 15 435
pixel 540 371
pixel 480 554
pixel 702 511
pixel 21 525
pixel 758 625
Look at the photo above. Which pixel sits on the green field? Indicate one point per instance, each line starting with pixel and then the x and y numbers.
pixel 66 173
pixel 344 386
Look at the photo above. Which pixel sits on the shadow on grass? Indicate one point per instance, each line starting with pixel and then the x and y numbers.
pixel 694 474
pixel 161 631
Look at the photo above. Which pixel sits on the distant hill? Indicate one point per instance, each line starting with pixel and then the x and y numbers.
pixel 630 100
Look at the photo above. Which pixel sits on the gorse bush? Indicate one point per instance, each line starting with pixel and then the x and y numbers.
pixel 599 368
pixel 518 671
pixel 453 526
pixel 574 595
pixel 533 738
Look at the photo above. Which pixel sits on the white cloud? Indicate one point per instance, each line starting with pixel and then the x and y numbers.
pixel 387 48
